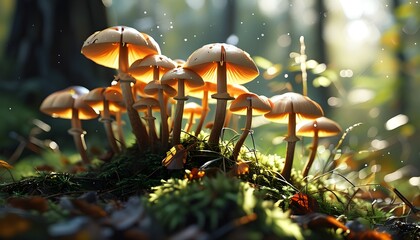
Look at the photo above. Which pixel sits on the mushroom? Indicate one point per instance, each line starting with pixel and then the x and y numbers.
pixel 319 127
pixel 149 104
pixel 118 47
pixel 289 108
pixel 183 78
pixel 224 63
pixel 203 94
pixel 106 100
pixel 234 90
pixel 192 111
pixel 248 104
pixel 67 104
pixel 163 92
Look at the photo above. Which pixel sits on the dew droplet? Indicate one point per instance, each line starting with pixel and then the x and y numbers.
pixel 286 75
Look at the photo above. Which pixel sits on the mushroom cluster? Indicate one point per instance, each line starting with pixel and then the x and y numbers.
pixel 150 85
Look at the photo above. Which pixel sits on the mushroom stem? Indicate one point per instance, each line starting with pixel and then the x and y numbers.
pixel 205 104
pixel 107 121
pixel 78 136
pixel 245 132
pixel 152 128
pixel 163 112
pixel 176 134
pixel 120 130
pixel 312 156
pixel 291 143
pixel 221 104
pixel 190 122
pixel 138 128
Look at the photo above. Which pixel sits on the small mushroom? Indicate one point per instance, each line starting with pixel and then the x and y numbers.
pixel 248 104
pixel 234 90
pixel 203 93
pixel 68 104
pixel 163 92
pixel 224 63
pixel 118 47
pixel 106 100
pixel 289 108
pixel 149 104
pixel 183 78
pixel 319 127
pixel 192 111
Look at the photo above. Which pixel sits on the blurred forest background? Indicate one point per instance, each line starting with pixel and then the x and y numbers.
pixel 366 66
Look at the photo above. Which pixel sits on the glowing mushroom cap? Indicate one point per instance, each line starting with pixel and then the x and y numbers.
pixel 259 104
pixel 103 47
pixel 291 102
pixel 191 79
pixel 145 103
pixel 192 108
pixel 153 88
pixel 143 69
pixel 60 104
pixel 240 68
pixel 324 126
pixel 95 98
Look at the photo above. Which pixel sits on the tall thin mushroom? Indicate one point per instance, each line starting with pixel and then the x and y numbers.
pixel 224 63
pixel 319 127
pixel 290 108
pixel 248 104
pixel 149 104
pixel 67 104
pixel 183 78
pixel 163 92
pixel 106 100
pixel 118 47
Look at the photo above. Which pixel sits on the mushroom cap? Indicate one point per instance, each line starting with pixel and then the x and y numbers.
pixel 191 79
pixel 260 104
pixel 233 89
pixel 153 88
pixel 240 68
pixel 291 102
pixel 325 127
pixel 142 69
pixel 144 103
pixel 192 107
pixel 103 46
pixel 60 104
pixel 95 98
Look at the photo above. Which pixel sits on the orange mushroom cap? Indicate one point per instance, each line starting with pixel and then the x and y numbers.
pixel 260 104
pixel 325 127
pixel 112 94
pixel 103 46
pixel 143 69
pixel 153 87
pixel 240 68
pixel 191 79
pixel 60 104
pixel 145 103
pixel 291 102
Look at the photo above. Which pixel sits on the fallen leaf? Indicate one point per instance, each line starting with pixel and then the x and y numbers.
pixel 37 203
